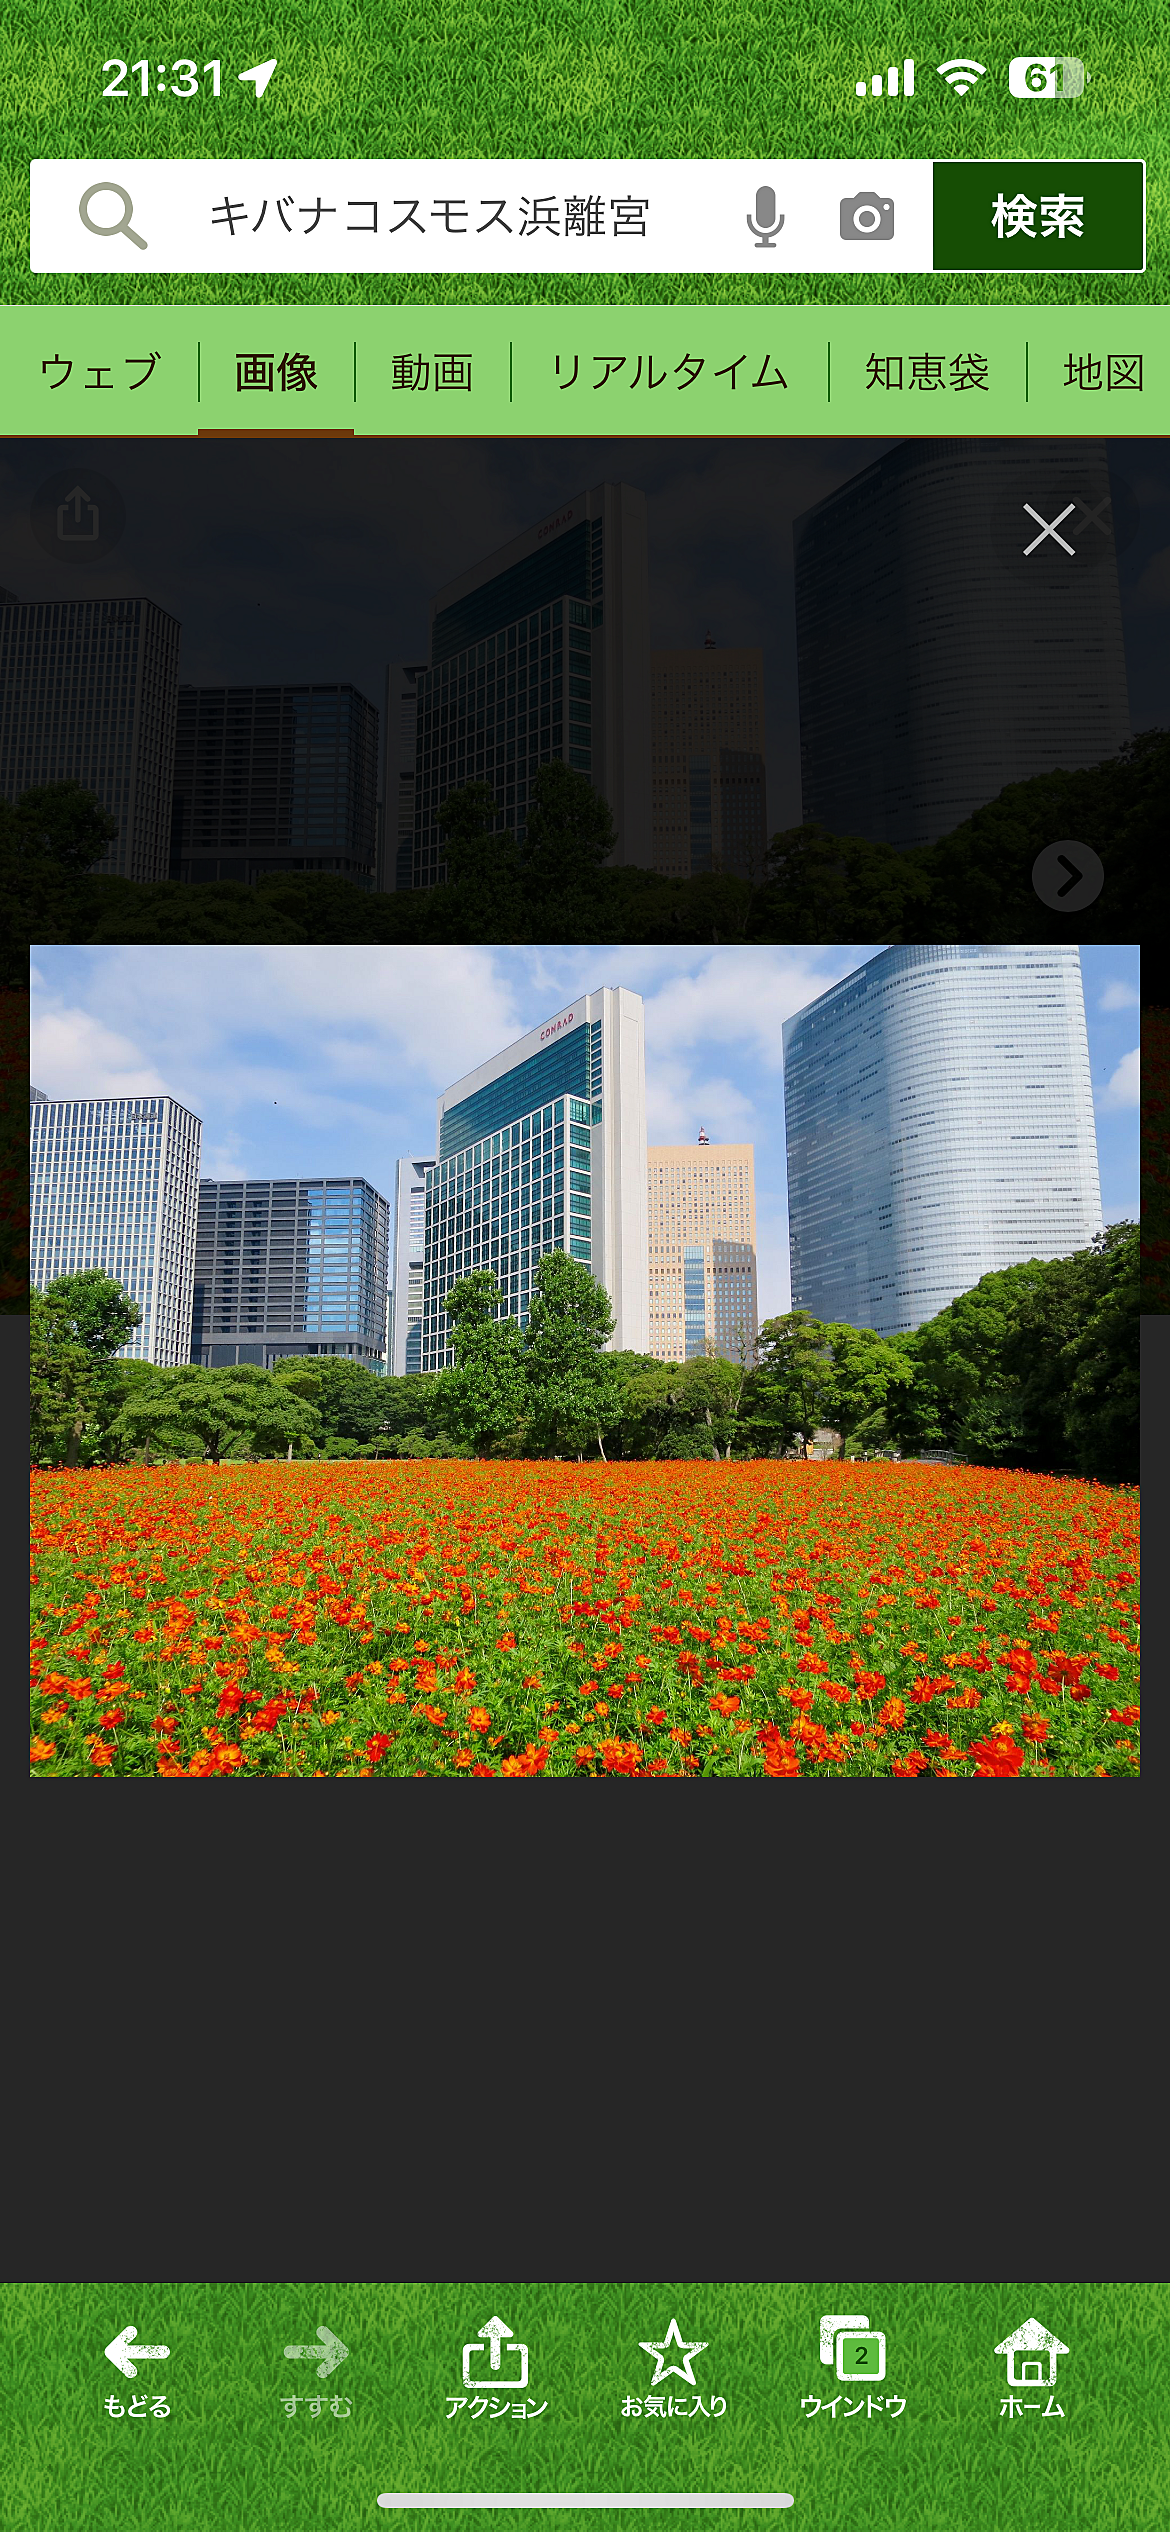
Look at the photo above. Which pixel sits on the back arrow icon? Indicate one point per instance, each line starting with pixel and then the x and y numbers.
pixel 118 2351
pixel 335 2354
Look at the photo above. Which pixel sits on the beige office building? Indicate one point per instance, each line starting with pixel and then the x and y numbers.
pixel 707 721
pixel 702 1229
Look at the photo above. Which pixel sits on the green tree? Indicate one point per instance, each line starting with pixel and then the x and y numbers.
pixel 1071 1360
pixel 49 841
pixel 483 1397
pixel 793 1386
pixel 219 1414
pixel 967 1394
pixel 483 899
pixel 575 1388
pixel 570 833
pixel 823 887
pixel 413 1403
pixel 77 1325
pixel 348 1398
pixel 864 1369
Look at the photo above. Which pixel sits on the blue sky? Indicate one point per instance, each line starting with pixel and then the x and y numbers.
pixel 328 1060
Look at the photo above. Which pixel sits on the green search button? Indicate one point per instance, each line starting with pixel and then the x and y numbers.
pixel 1031 215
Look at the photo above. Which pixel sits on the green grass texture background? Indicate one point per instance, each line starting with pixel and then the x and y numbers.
pixel 229 2459
pixel 579 78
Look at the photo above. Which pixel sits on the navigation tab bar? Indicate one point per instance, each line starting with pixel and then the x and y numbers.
pixel 425 370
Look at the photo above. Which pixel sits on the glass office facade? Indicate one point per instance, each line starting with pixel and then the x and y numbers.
pixel 114 1185
pixel 274 778
pixel 494 711
pixel 540 653
pixel 937 660
pixel 538 1153
pixel 290 1266
pixel 939 1121
pixel 87 694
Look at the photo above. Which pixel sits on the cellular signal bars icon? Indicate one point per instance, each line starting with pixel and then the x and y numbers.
pixel 877 87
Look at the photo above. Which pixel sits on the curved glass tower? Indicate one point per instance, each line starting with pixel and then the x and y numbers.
pixel 939 1123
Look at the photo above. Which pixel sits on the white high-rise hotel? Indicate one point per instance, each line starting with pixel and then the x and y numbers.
pixel 544 1147
pixel 939 1119
pixel 115 1184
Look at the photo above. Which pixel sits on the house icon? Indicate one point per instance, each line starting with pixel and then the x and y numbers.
pixel 1031 2352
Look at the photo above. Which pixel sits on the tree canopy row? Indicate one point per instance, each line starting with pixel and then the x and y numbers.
pixel 1035 1368
pixel 558 883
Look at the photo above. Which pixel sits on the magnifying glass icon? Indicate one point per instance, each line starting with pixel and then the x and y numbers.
pixel 121 228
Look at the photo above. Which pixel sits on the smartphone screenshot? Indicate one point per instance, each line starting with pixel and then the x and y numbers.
pixel 585 767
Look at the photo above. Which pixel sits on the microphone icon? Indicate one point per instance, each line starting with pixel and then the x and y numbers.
pixel 768 221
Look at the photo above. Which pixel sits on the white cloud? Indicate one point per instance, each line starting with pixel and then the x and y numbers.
pixel 1118 996
pixel 741 995
pixel 75 1056
pixel 1123 1088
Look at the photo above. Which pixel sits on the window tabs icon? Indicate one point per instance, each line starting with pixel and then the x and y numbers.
pixel 857 2353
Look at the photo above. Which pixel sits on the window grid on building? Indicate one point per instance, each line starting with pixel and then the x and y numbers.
pixel 114 1185
pixel 940 1126
pixel 702 1242
pixel 290 1266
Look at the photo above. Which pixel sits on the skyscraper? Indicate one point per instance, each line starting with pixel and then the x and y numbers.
pixel 541 651
pixel 399 771
pixel 544 1147
pixel 947 644
pixel 702 1241
pixel 114 1184
pixel 939 1120
pixel 274 778
pixel 708 734
pixel 290 1266
pixel 87 694
pixel 410 1246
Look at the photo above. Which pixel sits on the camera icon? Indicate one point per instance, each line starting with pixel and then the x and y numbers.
pixel 867 215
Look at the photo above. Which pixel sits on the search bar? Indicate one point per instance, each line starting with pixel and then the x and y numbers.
pixel 655 215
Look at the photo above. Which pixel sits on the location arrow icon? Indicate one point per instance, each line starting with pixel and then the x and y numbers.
pixel 118 2351
pixel 334 2353
pixel 260 76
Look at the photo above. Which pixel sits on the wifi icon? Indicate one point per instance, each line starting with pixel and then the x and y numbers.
pixel 962 75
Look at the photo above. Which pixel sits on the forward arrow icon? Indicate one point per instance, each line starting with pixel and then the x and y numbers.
pixel 331 2348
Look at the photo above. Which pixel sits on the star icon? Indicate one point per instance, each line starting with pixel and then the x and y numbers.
pixel 686 2347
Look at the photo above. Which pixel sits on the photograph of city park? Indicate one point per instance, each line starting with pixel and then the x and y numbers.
pixel 512 1541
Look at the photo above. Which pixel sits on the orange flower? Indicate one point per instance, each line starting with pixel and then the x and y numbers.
pixel 39 1750
pixel 1034 1727
pixel 780 1757
pixel 505 1643
pixel 997 1756
pixel 478 1720
pixel 893 1712
pixel 463 1682
pixel 723 1705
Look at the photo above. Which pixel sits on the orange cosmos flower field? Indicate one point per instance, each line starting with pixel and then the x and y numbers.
pixel 488 1618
